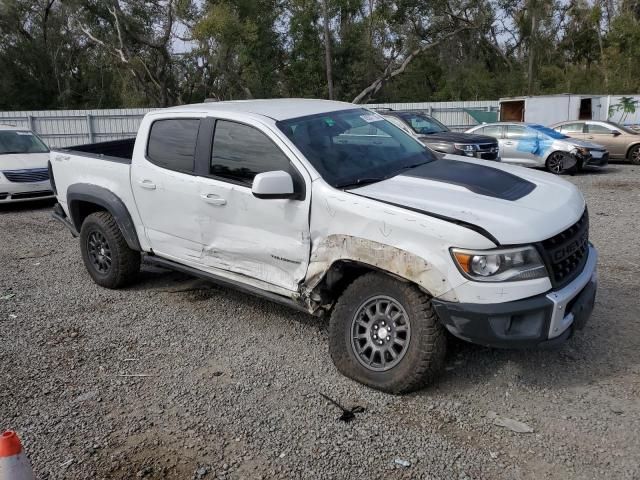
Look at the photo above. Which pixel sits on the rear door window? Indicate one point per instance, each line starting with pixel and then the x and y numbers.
pixel 494 131
pixel 172 143
pixel 517 132
pixel 569 128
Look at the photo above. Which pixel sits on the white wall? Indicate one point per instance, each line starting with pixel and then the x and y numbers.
pixel 549 110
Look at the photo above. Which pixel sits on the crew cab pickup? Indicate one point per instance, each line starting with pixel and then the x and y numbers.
pixel 296 201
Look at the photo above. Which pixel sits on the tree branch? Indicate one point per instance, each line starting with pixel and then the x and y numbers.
pixel 388 73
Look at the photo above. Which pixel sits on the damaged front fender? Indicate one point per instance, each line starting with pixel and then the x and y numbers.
pixel 383 257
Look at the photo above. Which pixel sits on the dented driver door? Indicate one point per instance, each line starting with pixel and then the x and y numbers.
pixel 265 239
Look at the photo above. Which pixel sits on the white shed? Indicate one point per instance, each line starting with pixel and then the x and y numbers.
pixel 550 109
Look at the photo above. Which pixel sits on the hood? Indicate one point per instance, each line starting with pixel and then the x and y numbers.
pixel 456 137
pixel 583 143
pixel 514 205
pixel 23 161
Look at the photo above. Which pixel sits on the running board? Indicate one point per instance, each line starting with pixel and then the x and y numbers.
pixel 225 282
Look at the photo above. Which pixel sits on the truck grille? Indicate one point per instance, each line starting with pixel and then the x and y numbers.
pixel 566 253
pixel 487 151
pixel 27 176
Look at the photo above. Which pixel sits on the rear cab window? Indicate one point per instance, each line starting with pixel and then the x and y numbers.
pixel 172 143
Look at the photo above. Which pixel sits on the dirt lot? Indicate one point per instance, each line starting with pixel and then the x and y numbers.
pixel 231 384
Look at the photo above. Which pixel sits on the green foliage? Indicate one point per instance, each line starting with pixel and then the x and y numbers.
pixel 114 53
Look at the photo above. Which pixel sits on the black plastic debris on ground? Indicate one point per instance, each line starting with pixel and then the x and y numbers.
pixel 348 414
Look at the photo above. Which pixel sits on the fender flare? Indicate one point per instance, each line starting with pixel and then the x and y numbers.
pixel 85 192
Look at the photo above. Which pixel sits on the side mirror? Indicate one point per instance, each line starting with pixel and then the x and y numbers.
pixel 272 185
pixel 616 133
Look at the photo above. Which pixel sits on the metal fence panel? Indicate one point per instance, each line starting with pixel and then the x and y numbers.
pixel 452 114
pixel 64 128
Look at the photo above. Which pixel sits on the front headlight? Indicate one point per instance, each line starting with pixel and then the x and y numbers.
pixel 581 151
pixel 467 149
pixel 500 265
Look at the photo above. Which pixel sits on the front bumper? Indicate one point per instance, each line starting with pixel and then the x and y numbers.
pixel 536 321
pixel 20 192
pixel 599 159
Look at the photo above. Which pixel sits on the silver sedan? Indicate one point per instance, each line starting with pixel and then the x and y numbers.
pixel 534 145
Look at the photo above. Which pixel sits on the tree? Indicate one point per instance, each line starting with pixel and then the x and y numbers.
pixel 626 105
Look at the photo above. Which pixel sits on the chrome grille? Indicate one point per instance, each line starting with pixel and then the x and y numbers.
pixel 27 176
pixel 566 252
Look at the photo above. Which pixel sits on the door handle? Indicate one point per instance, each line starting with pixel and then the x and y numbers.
pixel 508 143
pixel 147 184
pixel 213 199
pixel 590 138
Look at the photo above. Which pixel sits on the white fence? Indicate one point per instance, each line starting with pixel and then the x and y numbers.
pixel 453 114
pixel 64 128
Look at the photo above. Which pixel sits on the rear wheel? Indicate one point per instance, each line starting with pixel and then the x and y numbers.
pixel 106 255
pixel 634 155
pixel 385 334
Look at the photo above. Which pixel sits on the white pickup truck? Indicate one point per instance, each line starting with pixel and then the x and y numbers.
pixel 329 208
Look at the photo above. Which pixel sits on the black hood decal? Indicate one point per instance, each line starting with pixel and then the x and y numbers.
pixel 479 179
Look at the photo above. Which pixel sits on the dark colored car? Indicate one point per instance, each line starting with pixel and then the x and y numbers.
pixel 439 138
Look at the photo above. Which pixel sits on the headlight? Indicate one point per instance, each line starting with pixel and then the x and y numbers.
pixel 467 149
pixel 500 265
pixel 583 151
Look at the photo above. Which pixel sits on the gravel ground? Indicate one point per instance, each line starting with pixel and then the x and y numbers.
pixel 231 383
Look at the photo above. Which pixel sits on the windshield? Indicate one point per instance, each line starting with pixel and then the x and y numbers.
pixel 354 147
pixel 423 124
pixel 14 141
pixel 548 132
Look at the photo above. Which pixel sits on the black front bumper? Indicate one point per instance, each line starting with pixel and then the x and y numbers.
pixel 598 162
pixel 519 324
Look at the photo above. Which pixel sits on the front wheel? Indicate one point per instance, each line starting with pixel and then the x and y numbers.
pixel 385 334
pixel 106 255
pixel 560 162
pixel 634 155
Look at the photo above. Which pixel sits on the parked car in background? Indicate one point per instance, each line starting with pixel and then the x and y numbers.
pixel 23 166
pixel 622 142
pixel 439 138
pixel 534 145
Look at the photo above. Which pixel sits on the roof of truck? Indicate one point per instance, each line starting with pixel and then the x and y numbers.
pixel 277 109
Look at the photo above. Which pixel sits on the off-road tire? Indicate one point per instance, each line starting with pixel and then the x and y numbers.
pixel 424 357
pixel 634 155
pixel 124 264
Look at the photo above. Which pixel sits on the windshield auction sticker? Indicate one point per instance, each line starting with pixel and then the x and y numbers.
pixel 371 117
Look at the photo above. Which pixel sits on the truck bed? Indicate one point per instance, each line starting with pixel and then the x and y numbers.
pixel 115 150
pixel 105 166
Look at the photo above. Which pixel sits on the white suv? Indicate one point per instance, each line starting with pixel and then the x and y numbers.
pixel 23 166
